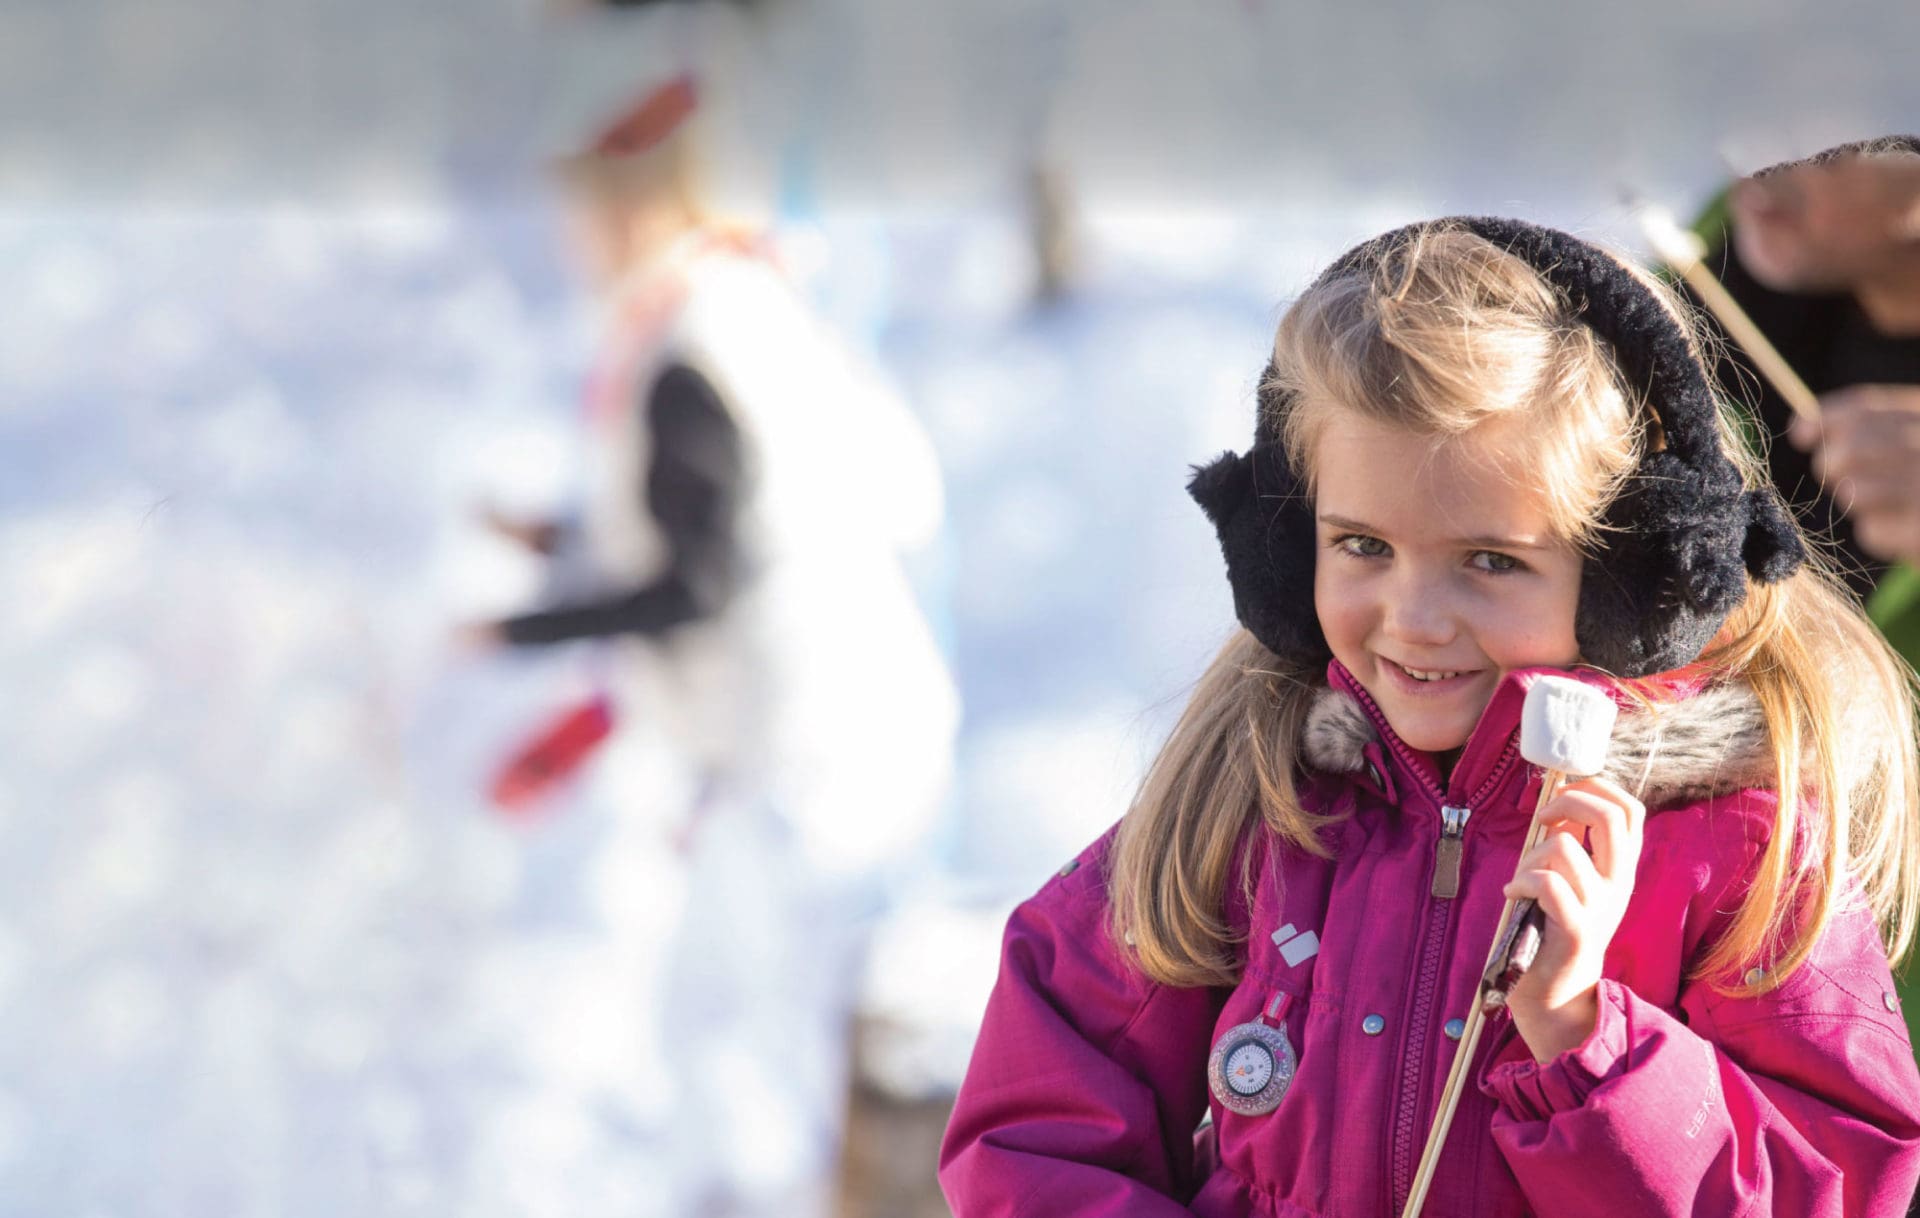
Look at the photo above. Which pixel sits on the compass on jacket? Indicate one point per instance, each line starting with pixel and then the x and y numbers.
pixel 1251 1067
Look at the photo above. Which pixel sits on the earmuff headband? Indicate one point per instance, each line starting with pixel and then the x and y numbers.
pixel 1679 541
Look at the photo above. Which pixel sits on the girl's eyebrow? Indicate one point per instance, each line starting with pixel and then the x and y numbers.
pixel 1483 541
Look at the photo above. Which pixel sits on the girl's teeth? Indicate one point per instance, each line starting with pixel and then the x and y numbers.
pixel 1418 675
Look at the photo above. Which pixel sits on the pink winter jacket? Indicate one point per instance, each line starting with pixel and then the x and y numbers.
pixel 1087 1089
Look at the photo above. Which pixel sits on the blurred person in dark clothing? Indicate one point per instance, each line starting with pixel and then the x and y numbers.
pixel 1824 255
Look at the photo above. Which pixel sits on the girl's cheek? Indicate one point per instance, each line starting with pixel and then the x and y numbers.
pixel 1337 602
pixel 1535 638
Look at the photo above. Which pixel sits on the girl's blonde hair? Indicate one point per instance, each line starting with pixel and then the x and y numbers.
pixel 1450 336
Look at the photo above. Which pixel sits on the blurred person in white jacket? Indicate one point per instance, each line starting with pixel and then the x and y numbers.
pixel 738 561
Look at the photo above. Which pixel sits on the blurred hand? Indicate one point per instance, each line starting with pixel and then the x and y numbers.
pixel 539 536
pixel 1583 890
pixel 1828 227
pixel 1866 449
pixel 478 638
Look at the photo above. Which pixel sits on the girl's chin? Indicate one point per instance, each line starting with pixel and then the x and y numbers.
pixel 1432 729
pixel 1429 732
pixel 1431 741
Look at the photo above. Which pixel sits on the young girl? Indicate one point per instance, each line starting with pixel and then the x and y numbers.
pixel 1484 450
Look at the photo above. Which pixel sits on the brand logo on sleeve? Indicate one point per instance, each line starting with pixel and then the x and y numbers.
pixel 1296 946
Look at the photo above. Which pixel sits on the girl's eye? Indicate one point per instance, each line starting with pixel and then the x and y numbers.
pixel 1361 546
pixel 1496 562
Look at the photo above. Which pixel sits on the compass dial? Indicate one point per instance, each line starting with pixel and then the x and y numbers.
pixel 1249 1067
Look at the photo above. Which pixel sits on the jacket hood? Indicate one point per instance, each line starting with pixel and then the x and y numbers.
pixel 1710 742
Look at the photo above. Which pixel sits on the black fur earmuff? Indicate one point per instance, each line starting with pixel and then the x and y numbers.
pixel 1678 542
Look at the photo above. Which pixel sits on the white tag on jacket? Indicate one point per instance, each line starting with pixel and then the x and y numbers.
pixel 1296 947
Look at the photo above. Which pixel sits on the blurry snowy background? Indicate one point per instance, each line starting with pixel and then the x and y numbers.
pixel 285 298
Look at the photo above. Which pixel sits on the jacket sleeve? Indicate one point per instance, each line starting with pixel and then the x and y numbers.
pixel 1087 1080
pixel 694 483
pixel 1803 1100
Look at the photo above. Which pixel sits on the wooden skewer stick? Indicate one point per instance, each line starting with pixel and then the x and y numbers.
pixel 1564 729
pixel 1683 251
pixel 1476 1022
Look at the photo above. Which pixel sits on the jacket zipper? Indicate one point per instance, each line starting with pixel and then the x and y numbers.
pixel 1449 851
pixel 1406 1113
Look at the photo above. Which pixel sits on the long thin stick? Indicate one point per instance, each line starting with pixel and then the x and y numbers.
pixel 1470 1036
pixel 1681 250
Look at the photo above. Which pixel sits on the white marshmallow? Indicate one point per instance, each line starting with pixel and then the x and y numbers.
pixel 1565 726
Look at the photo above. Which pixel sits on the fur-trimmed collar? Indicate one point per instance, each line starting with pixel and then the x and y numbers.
pixel 1711 743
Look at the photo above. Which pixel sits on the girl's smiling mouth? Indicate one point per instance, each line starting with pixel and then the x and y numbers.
pixel 1426 680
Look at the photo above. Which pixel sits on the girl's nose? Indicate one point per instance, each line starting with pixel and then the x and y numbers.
pixel 1420 613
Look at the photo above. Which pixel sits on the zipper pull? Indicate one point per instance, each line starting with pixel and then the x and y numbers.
pixel 1447 851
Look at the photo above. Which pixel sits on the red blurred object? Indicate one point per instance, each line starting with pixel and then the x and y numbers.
pixel 552 756
pixel 656 115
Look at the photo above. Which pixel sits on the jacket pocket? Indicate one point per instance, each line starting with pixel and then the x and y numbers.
pixel 1284 1158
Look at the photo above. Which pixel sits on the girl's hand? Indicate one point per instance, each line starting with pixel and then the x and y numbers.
pixel 1583 889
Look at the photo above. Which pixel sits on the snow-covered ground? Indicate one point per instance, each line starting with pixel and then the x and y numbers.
pixel 263 948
